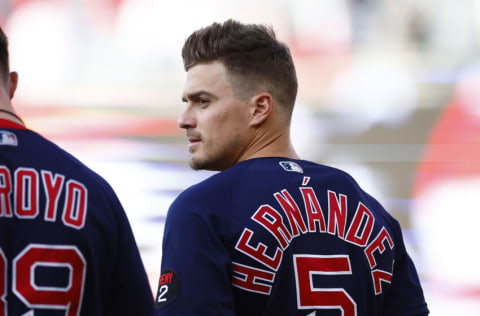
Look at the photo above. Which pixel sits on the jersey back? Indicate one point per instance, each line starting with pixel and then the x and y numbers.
pixel 293 238
pixel 66 247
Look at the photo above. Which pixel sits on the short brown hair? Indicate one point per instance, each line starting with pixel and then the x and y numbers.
pixel 252 55
pixel 4 68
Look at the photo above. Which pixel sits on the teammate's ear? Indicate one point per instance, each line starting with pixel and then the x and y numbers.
pixel 13 82
pixel 262 107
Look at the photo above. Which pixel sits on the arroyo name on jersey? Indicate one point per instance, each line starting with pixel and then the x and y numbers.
pixel 25 183
pixel 357 232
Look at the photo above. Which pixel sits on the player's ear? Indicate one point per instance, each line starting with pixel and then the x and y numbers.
pixel 262 107
pixel 13 82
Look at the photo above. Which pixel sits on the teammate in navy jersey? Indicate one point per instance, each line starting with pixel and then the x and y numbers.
pixel 270 234
pixel 66 247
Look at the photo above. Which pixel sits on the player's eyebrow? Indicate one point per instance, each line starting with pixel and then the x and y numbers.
pixel 196 95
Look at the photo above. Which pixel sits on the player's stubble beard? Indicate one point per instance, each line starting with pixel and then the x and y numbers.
pixel 216 161
pixel 197 164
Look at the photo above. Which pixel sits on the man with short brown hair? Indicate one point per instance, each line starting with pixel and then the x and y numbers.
pixel 270 234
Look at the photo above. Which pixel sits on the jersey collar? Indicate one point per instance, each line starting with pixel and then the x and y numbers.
pixel 10 124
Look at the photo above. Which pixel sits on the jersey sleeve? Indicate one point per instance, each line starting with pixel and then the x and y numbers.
pixel 406 295
pixel 130 291
pixel 196 268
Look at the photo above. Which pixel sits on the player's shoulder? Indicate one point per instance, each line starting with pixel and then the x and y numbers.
pixel 217 192
pixel 205 194
pixel 228 179
pixel 343 182
pixel 259 171
pixel 59 160
pixel 331 175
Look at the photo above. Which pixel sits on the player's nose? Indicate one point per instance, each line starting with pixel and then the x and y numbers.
pixel 186 119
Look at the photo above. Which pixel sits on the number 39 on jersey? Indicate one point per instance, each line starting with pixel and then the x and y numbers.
pixel 61 262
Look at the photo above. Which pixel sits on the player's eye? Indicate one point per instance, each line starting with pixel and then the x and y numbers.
pixel 203 101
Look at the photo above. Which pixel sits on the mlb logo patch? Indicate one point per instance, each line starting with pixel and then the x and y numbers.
pixel 291 166
pixel 8 138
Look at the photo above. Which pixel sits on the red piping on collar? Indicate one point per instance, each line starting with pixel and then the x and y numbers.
pixel 10 124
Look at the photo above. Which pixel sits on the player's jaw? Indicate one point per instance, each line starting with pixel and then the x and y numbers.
pixel 212 153
pixel 196 147
pixel 198 158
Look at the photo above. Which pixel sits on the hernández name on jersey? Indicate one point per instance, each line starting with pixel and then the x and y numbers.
pixel 357 231
pixel 22 186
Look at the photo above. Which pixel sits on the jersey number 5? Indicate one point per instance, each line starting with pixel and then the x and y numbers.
pixel 24 286
pixel 309 297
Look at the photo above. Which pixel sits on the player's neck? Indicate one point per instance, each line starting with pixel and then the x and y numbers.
pixel 270 145
pixel 7 113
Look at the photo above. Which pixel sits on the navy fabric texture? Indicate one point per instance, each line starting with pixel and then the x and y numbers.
pixel 276 236
pixel 66 242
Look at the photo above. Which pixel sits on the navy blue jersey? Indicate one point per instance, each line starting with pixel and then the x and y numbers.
pixel 66 247
pixel 275 236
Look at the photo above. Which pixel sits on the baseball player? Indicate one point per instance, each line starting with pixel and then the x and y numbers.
pixel 66 247
pixel 270 234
